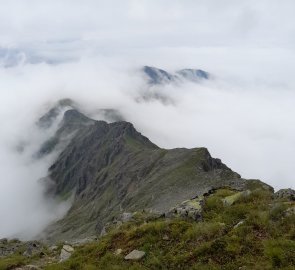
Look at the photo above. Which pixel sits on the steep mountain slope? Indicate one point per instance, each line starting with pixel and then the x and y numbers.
pixel 111 168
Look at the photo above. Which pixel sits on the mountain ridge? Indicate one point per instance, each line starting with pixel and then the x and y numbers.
pixel 157 76
pixel 110 168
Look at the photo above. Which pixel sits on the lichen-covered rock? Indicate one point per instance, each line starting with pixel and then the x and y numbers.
pixel 135 255
pixel 288 194
pixel 229 200
pixel 190 209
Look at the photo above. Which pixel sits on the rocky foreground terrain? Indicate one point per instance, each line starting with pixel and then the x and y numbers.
pixel 135 205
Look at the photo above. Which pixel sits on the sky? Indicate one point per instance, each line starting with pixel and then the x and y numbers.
pixel 91 51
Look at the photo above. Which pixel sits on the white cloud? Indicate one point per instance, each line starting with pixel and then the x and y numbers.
pixel 89 51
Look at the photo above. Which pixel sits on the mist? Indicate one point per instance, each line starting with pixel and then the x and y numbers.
pixel 93 53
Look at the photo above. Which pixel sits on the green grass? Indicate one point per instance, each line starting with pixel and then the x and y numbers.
pixel 12 262
pixel 264 240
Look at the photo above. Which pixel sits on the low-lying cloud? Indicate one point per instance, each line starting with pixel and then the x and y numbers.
pixel 91 52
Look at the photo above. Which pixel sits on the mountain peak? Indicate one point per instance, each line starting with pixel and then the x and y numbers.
pixel 73 116
pixel 157 76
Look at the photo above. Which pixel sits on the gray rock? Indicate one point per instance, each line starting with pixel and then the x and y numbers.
pixel 66 253
pixel 191 209
pixel 125 217
pixel 68 248
pixel 135 255
pixel 287 193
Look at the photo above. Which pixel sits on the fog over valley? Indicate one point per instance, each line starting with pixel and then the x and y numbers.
pixel 243 113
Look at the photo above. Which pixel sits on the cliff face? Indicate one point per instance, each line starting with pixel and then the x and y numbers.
pixel 111 168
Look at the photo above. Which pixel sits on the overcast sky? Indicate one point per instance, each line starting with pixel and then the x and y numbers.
pixel 90 50
pixel 114 25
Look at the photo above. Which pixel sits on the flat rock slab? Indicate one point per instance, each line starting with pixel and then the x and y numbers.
pixel 135 255
pixel 66 253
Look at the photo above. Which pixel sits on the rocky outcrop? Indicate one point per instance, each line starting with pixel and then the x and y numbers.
pixel 288 194
pixel 188 209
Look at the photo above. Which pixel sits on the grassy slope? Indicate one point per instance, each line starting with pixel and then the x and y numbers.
pixel 265 239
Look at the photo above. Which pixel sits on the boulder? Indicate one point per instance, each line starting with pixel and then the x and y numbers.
pixel 66 253
pixel 288 194
pixel 135 255
pixel 68 248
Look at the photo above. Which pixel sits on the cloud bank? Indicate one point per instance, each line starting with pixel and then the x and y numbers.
pixel 91 51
